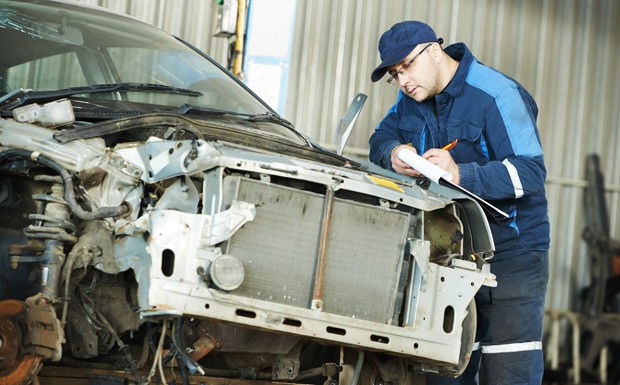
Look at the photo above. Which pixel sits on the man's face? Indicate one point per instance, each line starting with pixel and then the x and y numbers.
pixel 417 74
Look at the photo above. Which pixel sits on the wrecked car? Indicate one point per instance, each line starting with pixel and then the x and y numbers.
pixel 157 216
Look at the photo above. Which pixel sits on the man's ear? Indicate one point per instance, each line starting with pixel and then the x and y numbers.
pixel 436 52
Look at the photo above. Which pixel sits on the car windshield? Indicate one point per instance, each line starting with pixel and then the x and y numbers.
pixel 99 56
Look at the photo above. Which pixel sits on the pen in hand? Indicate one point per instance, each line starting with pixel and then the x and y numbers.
pixel 450 145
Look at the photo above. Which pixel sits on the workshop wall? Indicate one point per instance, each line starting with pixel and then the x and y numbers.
pixel 564 52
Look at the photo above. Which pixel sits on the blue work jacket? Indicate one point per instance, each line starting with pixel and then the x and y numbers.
pixel 499 153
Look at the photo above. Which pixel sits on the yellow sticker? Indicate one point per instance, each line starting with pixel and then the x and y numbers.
pixel 386 183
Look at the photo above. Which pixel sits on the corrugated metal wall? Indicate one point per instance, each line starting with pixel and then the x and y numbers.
pixel 565 52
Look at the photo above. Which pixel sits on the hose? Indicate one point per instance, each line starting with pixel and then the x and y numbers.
pixel 358 367
pixel 67 179
pixel 177 338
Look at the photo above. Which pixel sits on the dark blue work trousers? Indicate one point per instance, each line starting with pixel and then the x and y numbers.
pixel 508 350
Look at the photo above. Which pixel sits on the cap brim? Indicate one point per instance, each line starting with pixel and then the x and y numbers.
pixel 395 58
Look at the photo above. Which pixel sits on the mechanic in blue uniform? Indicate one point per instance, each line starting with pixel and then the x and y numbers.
pixel 446 95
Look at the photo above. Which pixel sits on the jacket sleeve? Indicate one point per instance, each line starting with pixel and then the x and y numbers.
pixel 516 167
pixel 386 136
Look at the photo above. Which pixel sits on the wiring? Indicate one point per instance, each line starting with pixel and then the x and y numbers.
pixel 157 360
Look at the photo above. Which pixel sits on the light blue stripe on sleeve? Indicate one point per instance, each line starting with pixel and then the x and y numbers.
pixel 518 123
pixel 511 106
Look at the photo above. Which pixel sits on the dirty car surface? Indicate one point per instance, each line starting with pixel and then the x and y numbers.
pixel 155 212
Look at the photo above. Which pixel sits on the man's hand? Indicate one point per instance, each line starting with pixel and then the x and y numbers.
pixel 443 159
pixel 398 165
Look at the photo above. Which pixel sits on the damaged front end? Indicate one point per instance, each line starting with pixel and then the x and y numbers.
pixel 117 239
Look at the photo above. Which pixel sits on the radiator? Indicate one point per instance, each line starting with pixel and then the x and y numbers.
pixel 279 251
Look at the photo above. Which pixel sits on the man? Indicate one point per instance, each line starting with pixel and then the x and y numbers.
pixel 447 95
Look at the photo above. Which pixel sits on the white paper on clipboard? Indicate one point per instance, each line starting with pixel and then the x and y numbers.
pixel 441 177
pixel 423 166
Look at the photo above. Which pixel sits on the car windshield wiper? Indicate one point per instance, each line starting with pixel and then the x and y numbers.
pixel 271 117
pixel 266 117
pixel 188 109
pixel 22 96
pixel 277 119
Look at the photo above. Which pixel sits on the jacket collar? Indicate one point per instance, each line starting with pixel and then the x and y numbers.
pixel 463 55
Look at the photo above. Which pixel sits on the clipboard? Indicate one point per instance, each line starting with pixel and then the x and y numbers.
pixel 442 178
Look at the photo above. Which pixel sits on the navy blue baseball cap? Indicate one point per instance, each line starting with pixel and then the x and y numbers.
pixel 398 42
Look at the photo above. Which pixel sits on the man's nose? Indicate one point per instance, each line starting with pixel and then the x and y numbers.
pixel 402 80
